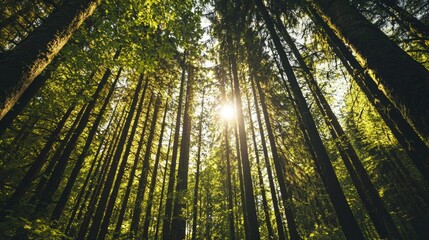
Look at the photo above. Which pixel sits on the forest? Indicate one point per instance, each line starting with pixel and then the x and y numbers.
pixel 214 119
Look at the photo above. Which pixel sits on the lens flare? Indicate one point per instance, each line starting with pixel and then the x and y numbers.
pixel 227 112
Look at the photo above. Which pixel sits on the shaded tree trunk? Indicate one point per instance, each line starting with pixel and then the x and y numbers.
pixel 244 152
pixel 381 218
pixel 345 216
pixel 403 132
pixel 197 173
pixel 166 226
pixel 94 197
pixel 24 63
pixel 404 81
pixel 57 175
pixel 179 217
pixel 56 214
pixel 121 171
pixel 26 96
pixel 128 189
pixel 101 205
pixel 260 177
pixel 153 180
pixel 135 221
pixel 413 24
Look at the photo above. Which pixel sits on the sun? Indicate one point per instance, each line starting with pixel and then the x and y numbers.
pixel 227 111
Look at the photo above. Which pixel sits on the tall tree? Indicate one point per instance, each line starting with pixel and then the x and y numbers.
pixel 345 216
pixel 24 63
pixel 396 73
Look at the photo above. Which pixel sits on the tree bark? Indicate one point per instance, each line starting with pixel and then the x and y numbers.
pixel 24 63
pixel 403 80
pixel 166 226
pixel 59 207
pixel 409 140
pixel 135 221
pixel 345 216
pixel 381 218
pixel 153 180
pixel 179 219
pixel 101 206
pixel 128 189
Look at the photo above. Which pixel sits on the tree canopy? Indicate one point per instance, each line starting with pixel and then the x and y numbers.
pixel 221 119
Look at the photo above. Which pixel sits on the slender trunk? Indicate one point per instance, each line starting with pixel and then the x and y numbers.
pixel 94 194
pixel 121 171
pixel 270 174
pixel 37 164
pixel 101 206
pixel 345 216
pixel 232 230
pixel 132 173
pixel 247 178
pixel 381 218
pixel 404 81
pixel 241 182
pixel 197 173
pixel 57 175
pixel 25 62
pixel 403 132
pixel 260 177
pixel 285 193
pixel 135 221
pixel 166 226
pixel 179 217
pixel 92 172
pixel 54 159
pixel 154 179
pixel 80 160
pixel 413 24
pixel 161 194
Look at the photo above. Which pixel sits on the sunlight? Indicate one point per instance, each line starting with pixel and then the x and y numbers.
pixel 227 111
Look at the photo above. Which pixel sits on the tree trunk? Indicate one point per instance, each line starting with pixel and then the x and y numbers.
pixel 94 198
pixel 135 222
pixel 404 81
pixel 179 220
pixel 403 132
pixel 79 162
pixel 345 216
pixel 120 174
pixel 231 224
pixel 161 194
pixel 381 218
pixel 285 193
pixel 38 163
pixel 166 226
pixel 55 158
pixel 127 193
pixel 279 221
pixel 25 98
pixel 197 173
pixel 154 179
pixel 89 181
pixel 260 177
pixel 57 175
pixel 412 23
pixel 101 206
pixel 247 178
pixel 24 63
